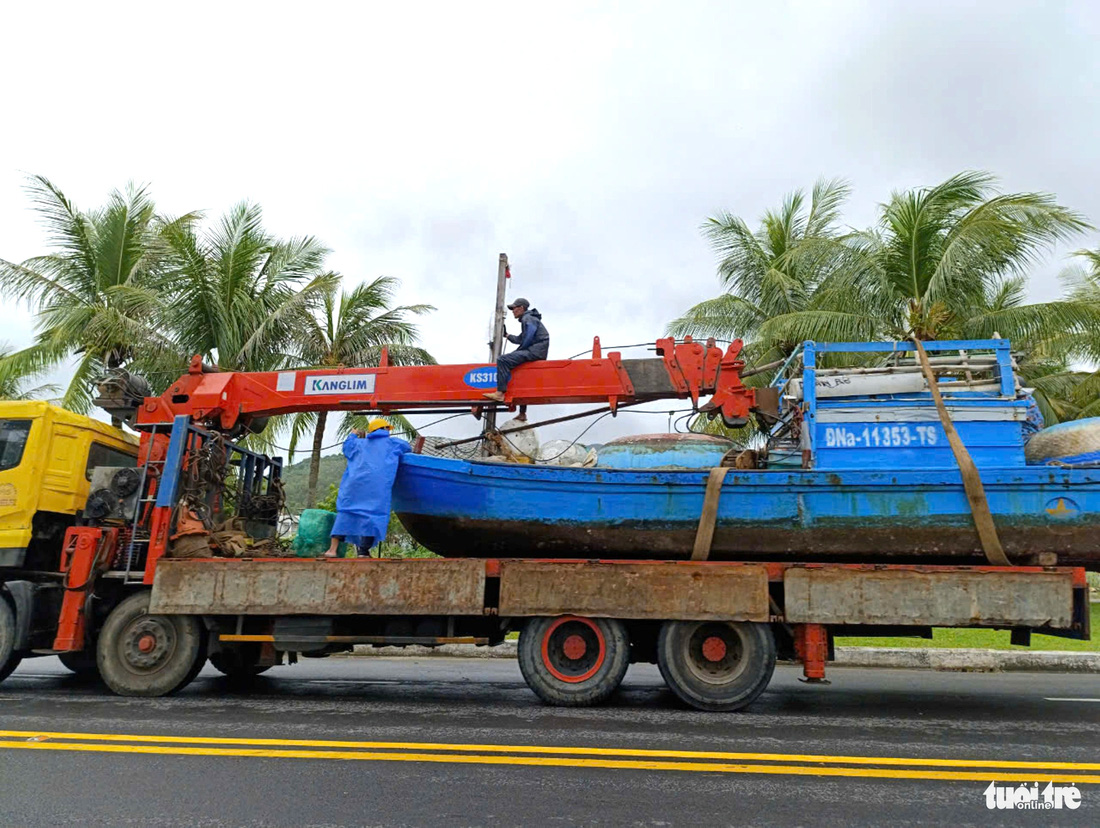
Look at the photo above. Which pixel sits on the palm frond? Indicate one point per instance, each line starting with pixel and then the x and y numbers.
pixel 27 281
pixel 742 257
pixel 298 426
pixel 820 326
pixel 724 317
pixel 78 394
pixel 122 236
pixel 67 228
pixel 1001 236
pixel 826 202
pixel 1025 323
pixel 268 330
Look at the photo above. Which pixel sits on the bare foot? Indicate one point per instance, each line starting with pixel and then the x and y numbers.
pixel 495 396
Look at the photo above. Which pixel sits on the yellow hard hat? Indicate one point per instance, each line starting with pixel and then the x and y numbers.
pixel 378 423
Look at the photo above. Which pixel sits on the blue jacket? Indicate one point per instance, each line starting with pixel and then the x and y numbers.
pixel 533 335
pixel 366 489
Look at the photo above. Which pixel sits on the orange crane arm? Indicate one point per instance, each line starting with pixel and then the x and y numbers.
pixel 229 400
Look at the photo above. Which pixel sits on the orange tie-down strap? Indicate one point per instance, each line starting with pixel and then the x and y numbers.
pixel 704 535
pixel 972 481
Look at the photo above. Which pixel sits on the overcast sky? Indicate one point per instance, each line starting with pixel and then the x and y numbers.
pixel 588 141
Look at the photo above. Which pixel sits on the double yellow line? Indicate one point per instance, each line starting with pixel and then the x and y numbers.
pixel 792 764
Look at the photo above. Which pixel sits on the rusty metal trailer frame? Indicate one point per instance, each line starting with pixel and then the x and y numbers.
pixel 808 601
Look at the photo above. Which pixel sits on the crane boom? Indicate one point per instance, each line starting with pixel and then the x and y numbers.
pixel 230 400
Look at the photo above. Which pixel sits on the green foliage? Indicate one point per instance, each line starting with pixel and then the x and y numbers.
pixel 328 502
pixel 96 291
pixel 15 380
pixel 943 262
pixel 236 294
pixel 982 639
pixel 353 328
pixel 774 271
pixel 296 476
pixel 398 543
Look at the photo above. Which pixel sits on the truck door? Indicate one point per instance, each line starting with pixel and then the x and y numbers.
pixel 18 495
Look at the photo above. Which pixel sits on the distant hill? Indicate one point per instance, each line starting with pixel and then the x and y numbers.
pixel 296 479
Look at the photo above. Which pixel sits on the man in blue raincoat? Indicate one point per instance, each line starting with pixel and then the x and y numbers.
pixel 366 489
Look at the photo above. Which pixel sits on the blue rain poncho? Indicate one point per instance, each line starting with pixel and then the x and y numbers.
pixel 366 489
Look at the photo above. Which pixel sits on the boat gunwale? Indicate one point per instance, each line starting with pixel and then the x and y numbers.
pixel 839 479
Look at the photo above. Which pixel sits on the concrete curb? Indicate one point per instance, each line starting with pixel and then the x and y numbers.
pixel 505 650
pixel 928 658
pixel 970 660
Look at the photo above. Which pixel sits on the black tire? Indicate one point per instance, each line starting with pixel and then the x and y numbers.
pixel 200 662
pixel 572 661
pixel 81 662
pixel 238 663
pixel 148 655
pixel 716 665
pixel 9 659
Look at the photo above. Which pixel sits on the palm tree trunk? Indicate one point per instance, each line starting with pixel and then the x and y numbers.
pixel 315 459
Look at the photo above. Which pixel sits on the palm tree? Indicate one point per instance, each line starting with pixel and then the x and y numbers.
pixel 934 262
pixel 94 293
pixel 351 329
pixel 776 270
pixel 1070 389
pixel 771 272
pixel 13 383
pixel 235 294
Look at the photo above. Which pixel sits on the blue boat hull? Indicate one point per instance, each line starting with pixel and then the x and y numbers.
pixel 463 509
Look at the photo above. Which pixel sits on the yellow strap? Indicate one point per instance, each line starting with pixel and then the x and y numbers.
pixel 972 481
pixel 704 535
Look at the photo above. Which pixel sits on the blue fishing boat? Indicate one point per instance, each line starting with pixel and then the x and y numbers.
pixel 854 466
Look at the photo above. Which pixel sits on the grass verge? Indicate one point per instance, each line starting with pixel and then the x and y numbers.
pixel 984 639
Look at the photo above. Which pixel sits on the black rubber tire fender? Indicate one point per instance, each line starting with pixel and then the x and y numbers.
pixel 81 662
pixel 238 662
pixel 200 661
pixel 184 658
pixel 594 685
pixel 732 686
pixel 9 659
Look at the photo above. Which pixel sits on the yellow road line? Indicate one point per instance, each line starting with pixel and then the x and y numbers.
pixel 558 762
pixel 45 740
pixel 553 749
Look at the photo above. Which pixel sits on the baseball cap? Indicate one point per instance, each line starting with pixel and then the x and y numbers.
pixel 519 302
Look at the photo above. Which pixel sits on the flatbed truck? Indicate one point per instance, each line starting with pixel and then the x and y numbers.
pixel 112 586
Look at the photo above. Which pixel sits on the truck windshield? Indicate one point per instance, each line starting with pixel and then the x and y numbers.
pixel 13 438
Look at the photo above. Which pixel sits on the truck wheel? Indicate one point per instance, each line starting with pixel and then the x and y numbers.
pixel 9 659
pixel 573 661
pixel 148 655
pixel 81 662
pixel 238 663
pixel 716 665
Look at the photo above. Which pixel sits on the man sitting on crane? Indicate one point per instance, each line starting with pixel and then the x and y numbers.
pixel 533 341
pixel 366 489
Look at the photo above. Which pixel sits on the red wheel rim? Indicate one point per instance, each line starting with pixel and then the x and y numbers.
pixel 714 648
pixel 574 647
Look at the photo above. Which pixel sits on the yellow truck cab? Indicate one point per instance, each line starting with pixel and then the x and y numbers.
pixel 46 458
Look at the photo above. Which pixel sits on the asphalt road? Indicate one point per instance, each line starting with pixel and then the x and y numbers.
pixel 463 742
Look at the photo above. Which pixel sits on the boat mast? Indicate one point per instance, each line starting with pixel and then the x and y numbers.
pixel 496 345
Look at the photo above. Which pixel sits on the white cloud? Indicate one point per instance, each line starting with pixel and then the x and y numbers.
pixel 588 142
